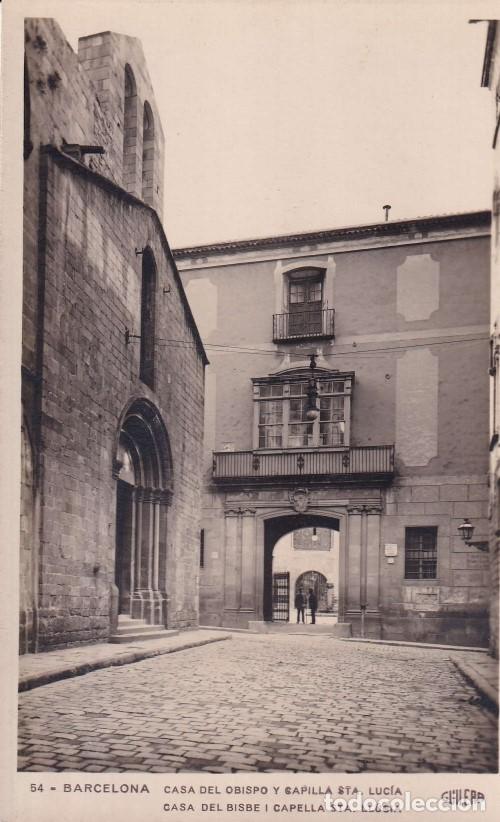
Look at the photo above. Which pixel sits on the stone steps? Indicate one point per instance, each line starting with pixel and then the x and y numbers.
pixel 340 629
pixel 138 630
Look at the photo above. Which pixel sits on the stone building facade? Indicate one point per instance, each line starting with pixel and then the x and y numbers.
pixel 394 453
pixel 491 80
pixel 112 413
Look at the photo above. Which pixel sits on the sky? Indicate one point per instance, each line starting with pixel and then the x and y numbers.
pixel 297 115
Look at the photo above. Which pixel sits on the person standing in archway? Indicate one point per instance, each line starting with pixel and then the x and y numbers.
pixel 300 604
pixel 313 605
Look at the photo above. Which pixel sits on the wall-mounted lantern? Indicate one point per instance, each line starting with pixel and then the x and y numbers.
pixel 466 530
pixel 314 537
pixel 312 410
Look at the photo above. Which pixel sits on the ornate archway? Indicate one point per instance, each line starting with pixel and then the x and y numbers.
pixel 143 470
pixel 278 526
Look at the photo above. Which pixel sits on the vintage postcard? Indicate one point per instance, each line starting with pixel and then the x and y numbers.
pixel 250 352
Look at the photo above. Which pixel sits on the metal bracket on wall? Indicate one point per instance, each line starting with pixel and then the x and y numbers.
pixel 129 336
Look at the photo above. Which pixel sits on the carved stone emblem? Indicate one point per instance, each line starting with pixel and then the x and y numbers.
pixel 299 499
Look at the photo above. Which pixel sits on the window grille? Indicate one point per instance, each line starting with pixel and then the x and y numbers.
pixel 421 553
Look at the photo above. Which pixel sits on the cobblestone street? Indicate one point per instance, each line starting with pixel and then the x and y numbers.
pixel 263 703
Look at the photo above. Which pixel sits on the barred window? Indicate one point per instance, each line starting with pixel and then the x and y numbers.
pixel 421 553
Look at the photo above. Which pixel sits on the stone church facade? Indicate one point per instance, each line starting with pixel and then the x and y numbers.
pixel 384 441
pixel 112 414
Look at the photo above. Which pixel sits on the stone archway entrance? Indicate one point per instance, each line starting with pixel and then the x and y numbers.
pixel 143 470
pixel 278 527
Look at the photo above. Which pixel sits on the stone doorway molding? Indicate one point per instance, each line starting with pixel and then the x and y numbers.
pixel 143 471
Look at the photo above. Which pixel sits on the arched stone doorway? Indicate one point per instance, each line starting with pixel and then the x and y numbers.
pixel 143 470
pixel 278 527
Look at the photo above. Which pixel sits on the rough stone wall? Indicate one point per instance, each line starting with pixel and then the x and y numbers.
pixel 92 294
pixel 104 57
pixel 81 291
pixel 453 608
pixel 79 99
pixel 63 107
pixel 27 558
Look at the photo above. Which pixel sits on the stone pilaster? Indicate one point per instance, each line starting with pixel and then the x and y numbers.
pixel 372 557
pixel 232 564
pixel 354 537
pixel 248 537
pixel 363 557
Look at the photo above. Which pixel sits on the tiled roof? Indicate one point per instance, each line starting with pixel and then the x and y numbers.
pixel 386 229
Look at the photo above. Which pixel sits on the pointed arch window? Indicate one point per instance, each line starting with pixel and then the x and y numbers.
pixel 148 150
pixel 148 300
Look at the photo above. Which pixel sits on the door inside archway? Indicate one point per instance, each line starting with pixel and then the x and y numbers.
pixel 143 493
pixel 302 550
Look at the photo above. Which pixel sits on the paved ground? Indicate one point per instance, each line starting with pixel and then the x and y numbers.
pixel 39 669
pixel 263 703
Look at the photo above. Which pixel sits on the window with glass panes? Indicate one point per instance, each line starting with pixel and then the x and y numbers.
pixel 281 414
pixel 271 416
pixel 421 553
pixel 305 303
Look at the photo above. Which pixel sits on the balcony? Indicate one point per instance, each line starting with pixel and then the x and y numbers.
pixel 366 464
pixel 304 325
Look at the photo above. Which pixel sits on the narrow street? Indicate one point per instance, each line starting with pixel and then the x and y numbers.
pixel 258 703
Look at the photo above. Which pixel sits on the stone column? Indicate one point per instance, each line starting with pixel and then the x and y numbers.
pixel 136 603
pixel 156 540
pixel 138 497
pixel 165 499
pixel 131 555
pixel 248 560
pixel 146 578
pixel 232 559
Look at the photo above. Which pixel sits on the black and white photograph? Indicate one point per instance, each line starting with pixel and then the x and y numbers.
pixel 253 338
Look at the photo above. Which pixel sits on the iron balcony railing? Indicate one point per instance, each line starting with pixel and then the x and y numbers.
pixel 301 325
pixel 369 462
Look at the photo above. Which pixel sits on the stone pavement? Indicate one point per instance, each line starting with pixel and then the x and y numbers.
pixel 482 672
pixel 40 669
pixel 263 703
